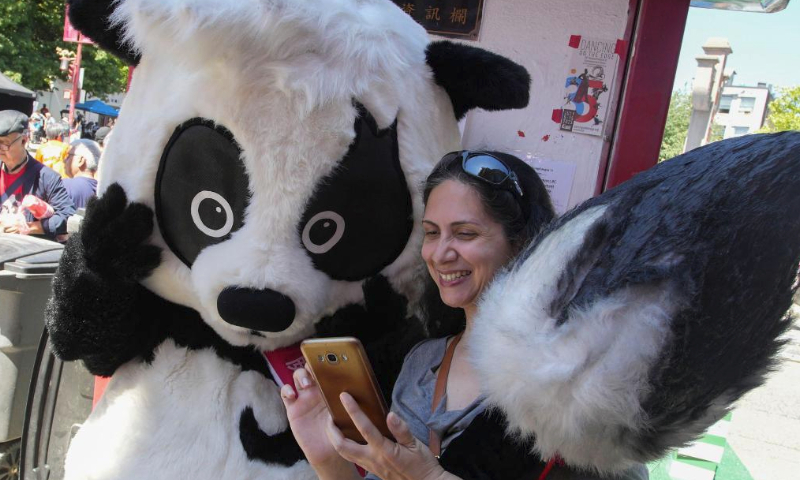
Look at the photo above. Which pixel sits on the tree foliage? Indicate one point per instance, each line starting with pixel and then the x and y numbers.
pixel 30 33
pixel 677 126
pixel 104 73
pixel 717 133
pixel 784 111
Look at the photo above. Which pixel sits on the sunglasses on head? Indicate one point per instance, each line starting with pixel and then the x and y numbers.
pixel 486 167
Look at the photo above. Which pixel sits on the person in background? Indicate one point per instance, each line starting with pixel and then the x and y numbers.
pixel 54 151
pixel 101 135
pixel 37 126
pixel 76 129
pixel 81 167
pixel 21 176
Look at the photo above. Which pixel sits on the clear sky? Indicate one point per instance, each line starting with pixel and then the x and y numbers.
pixel 766 47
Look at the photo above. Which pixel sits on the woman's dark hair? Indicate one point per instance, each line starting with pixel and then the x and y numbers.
pixel 522 217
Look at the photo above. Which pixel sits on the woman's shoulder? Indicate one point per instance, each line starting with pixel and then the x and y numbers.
pixel 422 359
pixel 431 349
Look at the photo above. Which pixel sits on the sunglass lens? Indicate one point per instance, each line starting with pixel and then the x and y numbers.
pixel 488 168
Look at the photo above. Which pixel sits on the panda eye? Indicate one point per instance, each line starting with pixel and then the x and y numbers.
pixel 201 188
pixel 221 207
pixel 360 217
pixel 323 231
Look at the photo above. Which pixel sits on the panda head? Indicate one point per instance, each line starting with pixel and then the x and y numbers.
pixel 282 146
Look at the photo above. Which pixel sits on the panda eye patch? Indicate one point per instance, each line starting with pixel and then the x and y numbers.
pixel 360 218
pixel 201 188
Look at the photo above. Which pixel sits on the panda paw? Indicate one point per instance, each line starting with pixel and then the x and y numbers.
pixel 96 312
pixel 113 236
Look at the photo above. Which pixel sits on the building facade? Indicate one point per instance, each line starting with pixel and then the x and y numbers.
pixel 742 109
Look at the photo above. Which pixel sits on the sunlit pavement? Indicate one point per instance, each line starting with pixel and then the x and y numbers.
pixel 765 432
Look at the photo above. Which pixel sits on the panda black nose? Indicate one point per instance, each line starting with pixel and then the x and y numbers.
pixel 264 310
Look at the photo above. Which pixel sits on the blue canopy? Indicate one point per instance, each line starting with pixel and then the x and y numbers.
pixel 98 107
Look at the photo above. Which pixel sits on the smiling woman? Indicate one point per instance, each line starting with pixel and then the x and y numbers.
pixel 477 217
pixel 464 245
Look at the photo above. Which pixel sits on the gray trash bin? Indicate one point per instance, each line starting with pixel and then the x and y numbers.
pixel 27 265
pixel 42 400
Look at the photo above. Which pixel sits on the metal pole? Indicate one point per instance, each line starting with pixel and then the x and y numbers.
pixel 76 76
pixel 130 77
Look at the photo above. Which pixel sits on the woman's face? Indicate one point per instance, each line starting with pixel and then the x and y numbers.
pixel 464 247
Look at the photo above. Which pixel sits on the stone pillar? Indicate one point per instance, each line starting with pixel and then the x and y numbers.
pixel 706 90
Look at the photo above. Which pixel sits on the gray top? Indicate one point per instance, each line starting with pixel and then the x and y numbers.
pixel 413 395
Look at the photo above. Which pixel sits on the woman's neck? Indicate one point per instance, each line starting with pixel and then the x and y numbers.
pixel 463 384
pixel 469 314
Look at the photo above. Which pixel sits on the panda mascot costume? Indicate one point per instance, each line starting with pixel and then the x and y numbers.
pixel 262 186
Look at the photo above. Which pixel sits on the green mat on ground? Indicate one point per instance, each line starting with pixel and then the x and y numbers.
pixel 730 467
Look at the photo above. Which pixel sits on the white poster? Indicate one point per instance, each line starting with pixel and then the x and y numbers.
pixel 557 178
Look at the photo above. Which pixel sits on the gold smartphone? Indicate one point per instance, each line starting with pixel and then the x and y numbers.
pixel 341 365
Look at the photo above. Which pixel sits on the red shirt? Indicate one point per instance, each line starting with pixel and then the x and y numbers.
pixel 6 179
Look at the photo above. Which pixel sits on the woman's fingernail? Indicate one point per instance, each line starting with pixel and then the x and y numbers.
pixel 305 382
pixel 287 392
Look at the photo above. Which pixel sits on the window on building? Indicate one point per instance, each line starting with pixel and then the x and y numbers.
pixel 746 104
pixel 739 131
pixel 725 103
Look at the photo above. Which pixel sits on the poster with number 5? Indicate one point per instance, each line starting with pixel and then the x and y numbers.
pixel 587 85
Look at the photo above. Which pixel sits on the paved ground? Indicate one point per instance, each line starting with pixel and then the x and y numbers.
pixel 765 431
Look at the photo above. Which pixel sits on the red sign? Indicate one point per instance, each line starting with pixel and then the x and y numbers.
pixel 71 34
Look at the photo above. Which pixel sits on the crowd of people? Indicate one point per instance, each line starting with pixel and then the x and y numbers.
pixel 41 187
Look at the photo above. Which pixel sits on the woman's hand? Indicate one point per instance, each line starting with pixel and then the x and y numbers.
pixel 406 459
pixel 308 417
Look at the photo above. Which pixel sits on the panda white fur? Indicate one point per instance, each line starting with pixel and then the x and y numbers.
pixel 644 311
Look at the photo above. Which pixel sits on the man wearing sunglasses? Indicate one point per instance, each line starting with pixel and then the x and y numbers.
pixel 21 175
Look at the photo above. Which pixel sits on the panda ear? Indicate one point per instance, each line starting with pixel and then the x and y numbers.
pixel 476 78
pixel 93 19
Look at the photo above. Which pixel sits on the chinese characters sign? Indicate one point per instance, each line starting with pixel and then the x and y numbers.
pixel 448 18
pixel 586 87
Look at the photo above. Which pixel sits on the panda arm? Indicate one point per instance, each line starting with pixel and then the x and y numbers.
pixel 486 451
pixel 98 312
